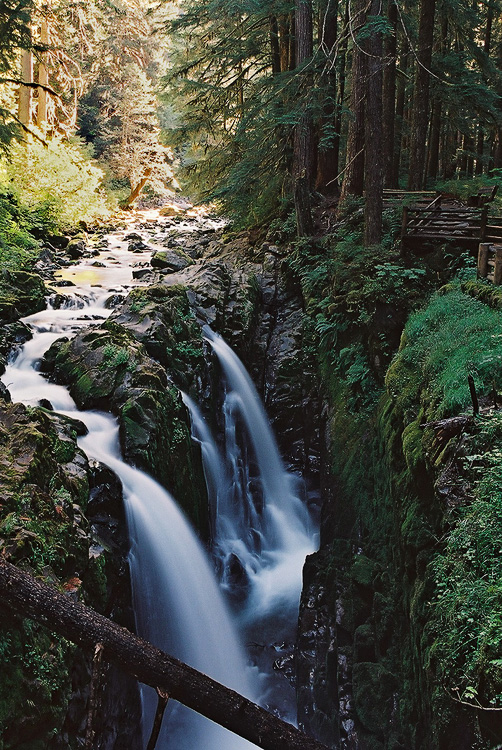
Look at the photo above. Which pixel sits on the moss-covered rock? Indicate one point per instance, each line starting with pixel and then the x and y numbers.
pixel 44 483
pixel 21 293
pixel 110 369
pixel 171 260
pixel 160 317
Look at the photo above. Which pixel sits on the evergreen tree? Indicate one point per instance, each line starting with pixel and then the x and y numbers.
pixel 15 17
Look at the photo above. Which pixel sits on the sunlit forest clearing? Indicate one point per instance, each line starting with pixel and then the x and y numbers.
pixel 250 374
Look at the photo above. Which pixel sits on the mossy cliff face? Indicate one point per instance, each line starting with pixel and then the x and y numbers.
pixel 406 589
pixel 109 368
pixel 44 481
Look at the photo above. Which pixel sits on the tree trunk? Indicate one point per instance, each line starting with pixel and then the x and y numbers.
pixel 292 42
pixel 275 49
pixel 303 157
pixel 29 597
pixel 353 180
pixel 284 41
pixel 373 162
pixel 389 97
pixel 43 75
pixel 400 107
pixel 435 139
pixel 341 91
pixel 487 46
pixel 421 95
pixel 137 190
pixel 327 157
pixel 25 92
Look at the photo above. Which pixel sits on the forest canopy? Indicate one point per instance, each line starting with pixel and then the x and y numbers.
pixel 261 105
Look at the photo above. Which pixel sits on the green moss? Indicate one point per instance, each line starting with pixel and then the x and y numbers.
pixel 373 688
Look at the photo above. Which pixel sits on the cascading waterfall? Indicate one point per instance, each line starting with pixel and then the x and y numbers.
pixel 178 604
pixel 262 528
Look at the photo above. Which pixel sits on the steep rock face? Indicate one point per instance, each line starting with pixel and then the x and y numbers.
pixel 410 494
pixel 44 526
pixel 243 293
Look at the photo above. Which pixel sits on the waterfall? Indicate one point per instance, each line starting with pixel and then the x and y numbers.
pixel 177 601
pixel 262 529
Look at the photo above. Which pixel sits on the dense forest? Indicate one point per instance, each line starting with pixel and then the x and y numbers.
pixel 347 155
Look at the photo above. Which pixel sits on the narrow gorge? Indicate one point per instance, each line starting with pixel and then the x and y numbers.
pixel 308 582
pixel 258 521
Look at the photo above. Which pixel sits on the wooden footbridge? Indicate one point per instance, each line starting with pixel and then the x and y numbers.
pixel 428 224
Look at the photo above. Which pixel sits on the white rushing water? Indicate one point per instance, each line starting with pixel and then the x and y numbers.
pixel 262 529
pixel 178 604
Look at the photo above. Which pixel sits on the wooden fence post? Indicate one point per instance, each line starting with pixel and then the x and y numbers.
pixel 483 252
pixel 497 271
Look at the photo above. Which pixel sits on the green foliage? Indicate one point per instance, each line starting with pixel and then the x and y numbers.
pixel 58 181
pixel 18 247
pixel 466 614
pixel 431 359
pixel 114 356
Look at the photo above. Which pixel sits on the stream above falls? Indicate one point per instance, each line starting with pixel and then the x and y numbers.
pixel 261 524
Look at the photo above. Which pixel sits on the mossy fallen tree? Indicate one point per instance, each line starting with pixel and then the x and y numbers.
pixel 32 598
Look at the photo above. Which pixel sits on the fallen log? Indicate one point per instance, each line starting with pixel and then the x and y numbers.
pixel 29 597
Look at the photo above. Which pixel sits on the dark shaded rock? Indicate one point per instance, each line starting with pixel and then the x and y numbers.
pixel 45 404
pixel 59 241
pixel 114 301
pixel 21 293
pixel 170 260
pixel 75 248
pixel 5 393
pixel 145 274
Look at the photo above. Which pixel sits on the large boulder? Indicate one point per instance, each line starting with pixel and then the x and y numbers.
pixel 170 260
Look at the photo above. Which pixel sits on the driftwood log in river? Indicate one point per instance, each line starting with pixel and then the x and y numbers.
pixel 29 597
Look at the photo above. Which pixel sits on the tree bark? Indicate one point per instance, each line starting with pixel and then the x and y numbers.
pixel 486 47
pixel 400 108
pixel 327 157
pixel 29 597
pixel 284 42
pixel 275 49
pixel 373 162
pixel 341 91
pixel 26 92
pixel 137 189
pixel 303 157
pixel 353 179
pixel 421 95
pixel 435 139
pixel 389 97
pixel 43 76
